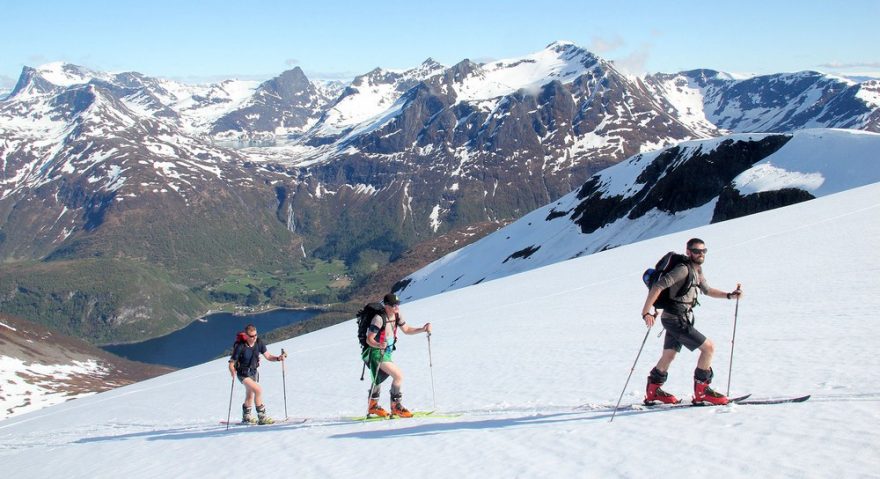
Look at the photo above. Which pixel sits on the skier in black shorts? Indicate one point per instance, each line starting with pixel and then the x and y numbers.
pixel 243 364
pixel 680 331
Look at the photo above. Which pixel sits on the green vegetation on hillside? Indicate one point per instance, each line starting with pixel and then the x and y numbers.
pixel 316 282
pixel 112 300
pixel 197 248
pixel 99 299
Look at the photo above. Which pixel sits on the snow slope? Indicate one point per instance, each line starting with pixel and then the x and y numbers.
pixel 819 161
pixel 41 368
pixel 516 356
pixel 562 61
pixel 198 106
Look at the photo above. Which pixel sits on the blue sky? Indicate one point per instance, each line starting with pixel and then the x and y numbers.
pixel 206 41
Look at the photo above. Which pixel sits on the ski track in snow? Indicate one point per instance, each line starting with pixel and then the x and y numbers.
pixel 489 416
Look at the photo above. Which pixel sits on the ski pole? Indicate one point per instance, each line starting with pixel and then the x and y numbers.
pixel 229 414
pixel 733 340
pixel 372 385
pixel 431 367
pixel 363 370
pixel 284 382
pixel 630 373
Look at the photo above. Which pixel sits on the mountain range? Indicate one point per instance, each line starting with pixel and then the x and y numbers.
pixel 116 178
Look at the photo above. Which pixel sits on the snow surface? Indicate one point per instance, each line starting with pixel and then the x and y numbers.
pixel 43 391
pixel 820 161
pixel 561 61
pixel 65 74
pixel 518 356
pixel 199 106
pixel 373 99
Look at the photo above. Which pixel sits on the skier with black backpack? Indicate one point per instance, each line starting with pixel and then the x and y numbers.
pixel 377 331
pixel 674 286
pixel 243 364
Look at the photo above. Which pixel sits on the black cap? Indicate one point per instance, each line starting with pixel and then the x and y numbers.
pixel 391 299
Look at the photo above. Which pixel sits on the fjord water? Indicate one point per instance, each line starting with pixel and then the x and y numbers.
pixel 206 338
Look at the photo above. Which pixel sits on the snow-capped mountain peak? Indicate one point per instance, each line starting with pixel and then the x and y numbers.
pixel 369 96
pixel 560 61
pixel 67 74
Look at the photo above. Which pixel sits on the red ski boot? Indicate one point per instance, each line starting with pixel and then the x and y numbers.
pixel 704 395
pixel 655 395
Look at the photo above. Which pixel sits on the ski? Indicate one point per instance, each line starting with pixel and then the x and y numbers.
pixel 290 420
pixel 736 400
pixel 366 418
pixel 415 414
pixel 758 402
pixel 741 400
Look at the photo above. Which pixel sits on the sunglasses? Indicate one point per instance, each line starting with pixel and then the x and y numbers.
pixel 699 251
pixel 252 335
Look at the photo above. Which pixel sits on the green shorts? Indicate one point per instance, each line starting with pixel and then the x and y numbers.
pixel 373 357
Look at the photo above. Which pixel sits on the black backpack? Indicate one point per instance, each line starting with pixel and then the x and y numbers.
pixel 365 317
pixel 652 275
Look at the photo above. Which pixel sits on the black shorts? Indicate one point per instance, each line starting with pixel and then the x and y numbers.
pixel 680 331
pixel 242 375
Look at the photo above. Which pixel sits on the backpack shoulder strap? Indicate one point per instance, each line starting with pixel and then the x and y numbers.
pixel 236 351
pixel 689 279
pixel 373 307
pixel 258 345
pixel 378 310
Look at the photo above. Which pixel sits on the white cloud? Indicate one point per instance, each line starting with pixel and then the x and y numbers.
pixel 7 82
pixel 635 62
pixel 842 65
pixel 601 46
